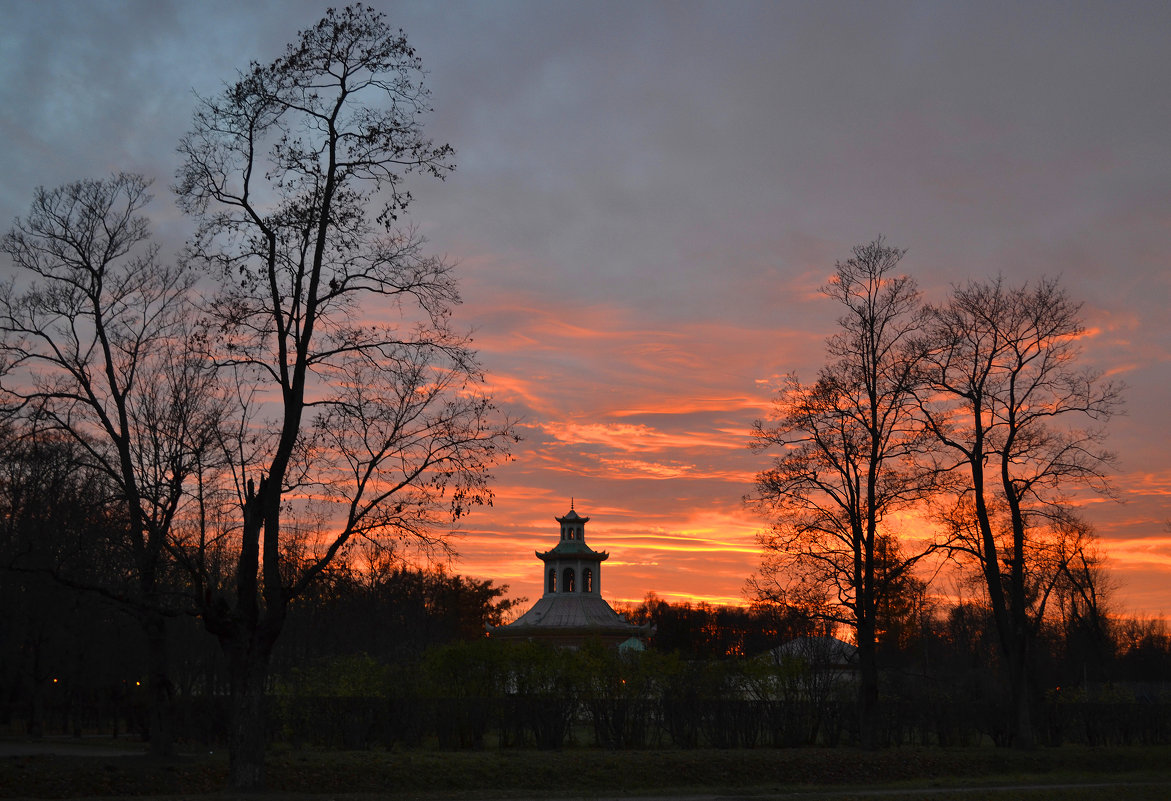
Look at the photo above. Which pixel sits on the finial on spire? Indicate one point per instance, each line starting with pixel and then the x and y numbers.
pixel 571 503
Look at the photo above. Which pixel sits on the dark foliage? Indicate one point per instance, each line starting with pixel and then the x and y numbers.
pixel 704 631
pixel 392 612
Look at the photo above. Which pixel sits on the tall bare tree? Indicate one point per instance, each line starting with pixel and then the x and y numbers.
pixel 1019 423
pixel 362 413
pixel 846 443
pixel 95 347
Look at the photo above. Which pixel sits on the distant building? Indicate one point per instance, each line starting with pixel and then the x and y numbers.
pixel 572 610
pixel 816 665
pixel 818 653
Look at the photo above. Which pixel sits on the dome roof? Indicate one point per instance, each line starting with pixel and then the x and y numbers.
pixel 571 613
pixel 818 651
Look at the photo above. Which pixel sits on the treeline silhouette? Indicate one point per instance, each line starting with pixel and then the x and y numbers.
pixel 72 661
pixel 382 654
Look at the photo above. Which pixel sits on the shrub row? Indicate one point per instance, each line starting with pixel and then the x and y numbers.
pixel 480 694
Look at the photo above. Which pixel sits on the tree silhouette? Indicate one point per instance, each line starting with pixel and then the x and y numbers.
pixel 1005 401
pixel 97 347
pixel 845 443
pixel 360 414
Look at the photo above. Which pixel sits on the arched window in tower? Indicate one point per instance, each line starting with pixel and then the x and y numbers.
pixel 587 580
pixel 568 583
pixel 553 580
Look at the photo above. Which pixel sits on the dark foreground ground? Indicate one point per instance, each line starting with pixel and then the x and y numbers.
pixel 81 770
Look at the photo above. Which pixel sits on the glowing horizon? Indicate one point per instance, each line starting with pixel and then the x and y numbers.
pixel 662 474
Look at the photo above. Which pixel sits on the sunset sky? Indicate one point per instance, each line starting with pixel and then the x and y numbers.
pixel 648 196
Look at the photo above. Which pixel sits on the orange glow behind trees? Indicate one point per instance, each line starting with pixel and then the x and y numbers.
pixel 654 450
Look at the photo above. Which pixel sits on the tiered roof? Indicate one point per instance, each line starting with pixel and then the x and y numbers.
pixel 574 612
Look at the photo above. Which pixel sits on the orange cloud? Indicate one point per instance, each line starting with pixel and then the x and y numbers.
pixel 632 438
pixel 1147 551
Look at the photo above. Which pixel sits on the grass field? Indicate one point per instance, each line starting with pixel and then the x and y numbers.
pixel 1068 774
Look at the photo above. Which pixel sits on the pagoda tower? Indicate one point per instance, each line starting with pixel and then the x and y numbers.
pixel 572 610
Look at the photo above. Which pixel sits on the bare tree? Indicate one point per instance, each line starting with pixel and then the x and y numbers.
pixel 1019 424
pixel 95 346
pixel 362 414
pixel 1083 602
pixel 847 441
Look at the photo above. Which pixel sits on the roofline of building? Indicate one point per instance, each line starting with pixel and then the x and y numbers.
pixel 589 555
pixel 625 630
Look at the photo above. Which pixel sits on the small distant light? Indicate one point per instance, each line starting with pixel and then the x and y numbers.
pixel 54 681
pixel 138 684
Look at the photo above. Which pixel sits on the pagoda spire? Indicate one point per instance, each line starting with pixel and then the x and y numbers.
pixel 571 611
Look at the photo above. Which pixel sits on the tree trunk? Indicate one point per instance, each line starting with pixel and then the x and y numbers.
pixel 247 738
pixel 1022 632
pixel 1023 735
pixel 162 701
pixel 36 718
pixel 867 686
pixel 1019 693
pixel 1008 613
